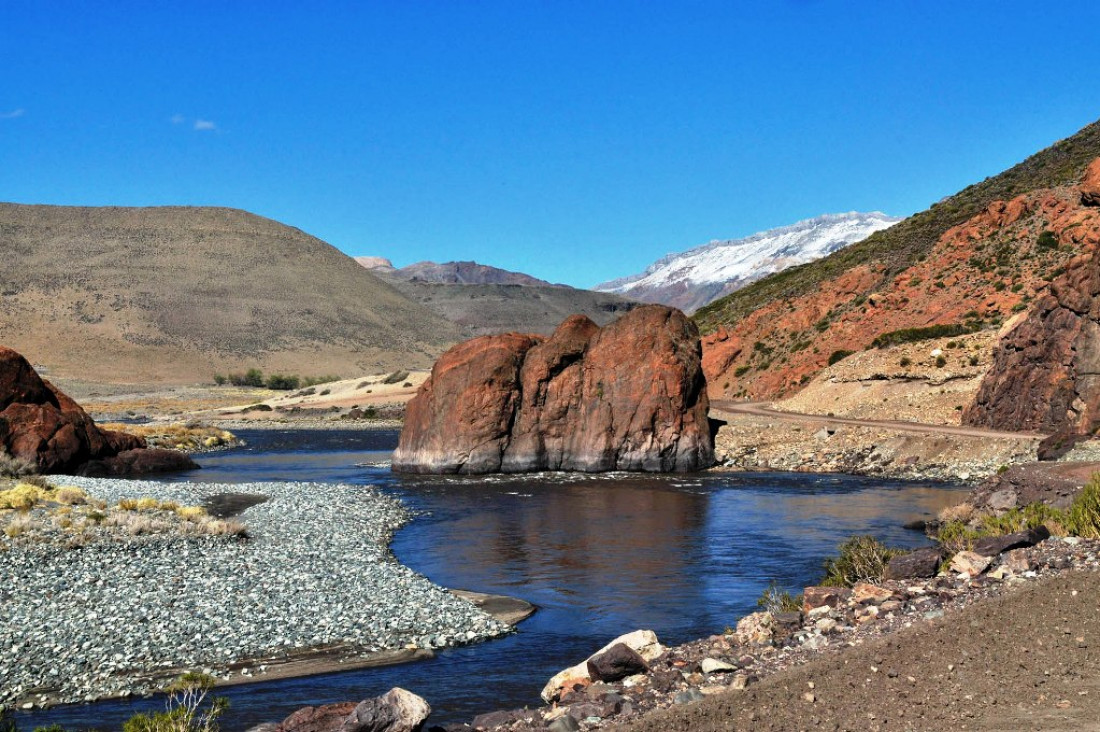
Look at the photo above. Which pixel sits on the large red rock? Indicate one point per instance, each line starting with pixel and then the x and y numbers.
pixel 1046 371
pixel 629 396
pixel 42 425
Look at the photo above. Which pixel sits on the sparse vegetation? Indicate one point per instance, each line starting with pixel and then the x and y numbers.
pixel 188 708
pixel 913 335
pixel 189 436
pixel 839 355
pixel 396 377
pixel 281 382
pixel 1047 240
pixel 775 599
pixel 742 370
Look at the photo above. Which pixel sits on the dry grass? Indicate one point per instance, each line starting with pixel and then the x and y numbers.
pixel 959 512
pixel 189 436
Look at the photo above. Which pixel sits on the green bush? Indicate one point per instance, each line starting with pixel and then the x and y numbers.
pixel 940 362
pixel 912 335
pixel 219 379
pixel 862 559
pixel 1047 240
pixel 279 382
pixel 1083 517
pixel 742 370
pixel 839 355
pixel 252 377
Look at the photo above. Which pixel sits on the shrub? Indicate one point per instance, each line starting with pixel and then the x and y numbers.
pixel 742 370
pixel 396 377
pixel 912 335
pixel 905 362
pixel 280 382
pixel 839 355
pixel 252 377
pixel 973 360
pixel 862 559
pixel 940 362
pixel 777 600
pixel 1047 240
pixel 315 380
pixel 220 379
pixel 70 495
pixel 13 467
pixel 187 708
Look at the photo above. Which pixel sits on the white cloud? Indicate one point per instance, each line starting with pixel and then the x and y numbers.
pixel 177 119
pixel 13 114
pixel 204 125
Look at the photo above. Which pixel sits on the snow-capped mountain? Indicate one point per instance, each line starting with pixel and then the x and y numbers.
pixel 692 279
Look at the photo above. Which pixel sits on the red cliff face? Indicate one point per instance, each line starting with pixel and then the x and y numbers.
pixel 630 396
pixel 41 424
pixel 1046 371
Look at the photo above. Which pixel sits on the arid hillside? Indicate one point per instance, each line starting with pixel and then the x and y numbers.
pixel 970 263
pixel 175 294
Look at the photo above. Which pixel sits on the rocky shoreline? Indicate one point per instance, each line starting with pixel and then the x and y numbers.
pixel 117 617
pixel 662 690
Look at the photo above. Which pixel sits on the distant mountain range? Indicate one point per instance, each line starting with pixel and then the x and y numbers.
pixel 689 280
pixel 482 299
pixel 450 273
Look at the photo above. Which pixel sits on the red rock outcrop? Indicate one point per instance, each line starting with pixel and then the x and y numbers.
pixel 42 425
pixel 629 396
pixel 1090 184
pixel 1046 371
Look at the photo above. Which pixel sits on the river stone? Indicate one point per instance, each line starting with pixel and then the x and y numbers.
pixel 616 663
pixel 564 724
pixel 716 666
pixel 970 563
pixel 644 642
pixel 919 563
pixel 820 596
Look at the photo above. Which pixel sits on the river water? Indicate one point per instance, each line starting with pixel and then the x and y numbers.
pixel 683 555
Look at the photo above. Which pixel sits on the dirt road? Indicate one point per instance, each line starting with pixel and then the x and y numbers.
pixel 763 409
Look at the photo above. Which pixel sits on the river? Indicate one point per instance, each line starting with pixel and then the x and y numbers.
pixel 600 555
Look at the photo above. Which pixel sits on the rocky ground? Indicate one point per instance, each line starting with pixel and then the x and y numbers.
pixel 1008 646
pixel 118 615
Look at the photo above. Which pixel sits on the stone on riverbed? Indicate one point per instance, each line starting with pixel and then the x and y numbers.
pixel 617 662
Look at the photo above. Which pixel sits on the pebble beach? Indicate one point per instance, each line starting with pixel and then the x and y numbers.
pixel 113 617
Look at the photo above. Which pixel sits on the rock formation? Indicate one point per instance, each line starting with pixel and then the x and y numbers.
pixel 41 425
pixel 1046 371
pixel 629 396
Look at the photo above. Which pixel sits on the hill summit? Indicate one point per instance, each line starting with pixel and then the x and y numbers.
pixel 173 294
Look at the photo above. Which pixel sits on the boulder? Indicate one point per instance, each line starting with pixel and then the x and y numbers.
pixel 970 563
pixel 917 564
pixel 42 425
pixel 864 592
pixel 617 662
pixel 643 642
pixel 991 546
pixel 824 596
pixel 755 629
pixel 395 711
pixel 1090 184
pixel 629 396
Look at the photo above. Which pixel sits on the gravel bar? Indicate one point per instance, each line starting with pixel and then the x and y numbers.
pixel 100 620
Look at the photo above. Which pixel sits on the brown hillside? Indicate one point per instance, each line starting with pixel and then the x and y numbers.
pixel 173 294
pixel 977 275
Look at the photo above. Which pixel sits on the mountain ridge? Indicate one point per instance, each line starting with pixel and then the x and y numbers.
pixel 697 276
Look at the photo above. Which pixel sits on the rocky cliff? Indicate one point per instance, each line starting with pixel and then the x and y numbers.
pixel 629 396
pixel 1046 370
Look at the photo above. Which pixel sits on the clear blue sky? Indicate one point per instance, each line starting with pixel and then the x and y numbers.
pixel 576 141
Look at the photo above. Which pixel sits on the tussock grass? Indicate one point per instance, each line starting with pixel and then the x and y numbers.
pixel 862 558
pixel 188 436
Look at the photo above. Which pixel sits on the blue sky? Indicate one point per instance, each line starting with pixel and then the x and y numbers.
pixel 576 141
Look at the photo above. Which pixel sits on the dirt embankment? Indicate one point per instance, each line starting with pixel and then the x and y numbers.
pixel 1027 660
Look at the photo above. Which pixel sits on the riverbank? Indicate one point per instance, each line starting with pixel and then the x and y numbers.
pixel 1008 648
pixel 314 581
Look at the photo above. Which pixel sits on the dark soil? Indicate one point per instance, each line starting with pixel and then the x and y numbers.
pixel 1027 660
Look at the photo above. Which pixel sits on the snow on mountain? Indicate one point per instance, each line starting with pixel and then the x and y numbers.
pixel 689 280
